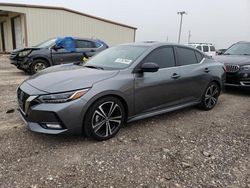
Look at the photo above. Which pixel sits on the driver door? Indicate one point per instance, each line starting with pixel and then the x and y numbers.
pixel 160 89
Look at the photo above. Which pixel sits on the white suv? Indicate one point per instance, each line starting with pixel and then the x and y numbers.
pixel 209 49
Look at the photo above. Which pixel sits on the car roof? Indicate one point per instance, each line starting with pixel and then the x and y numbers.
pixel 247 42
pixel 209 44
pixel 155 44
pixel 77 38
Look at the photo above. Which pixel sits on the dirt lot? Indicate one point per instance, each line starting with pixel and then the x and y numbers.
pixel 187 148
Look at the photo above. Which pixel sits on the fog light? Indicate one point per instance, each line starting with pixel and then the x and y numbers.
pixel 53 126
pixel 245 75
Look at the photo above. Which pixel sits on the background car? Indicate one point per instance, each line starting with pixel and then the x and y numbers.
pixel 47 54
pixel 207 48
pixel 237 62
pixel 121 84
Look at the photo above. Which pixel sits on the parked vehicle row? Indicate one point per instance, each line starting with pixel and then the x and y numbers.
pixel 46 54
pixel 121 84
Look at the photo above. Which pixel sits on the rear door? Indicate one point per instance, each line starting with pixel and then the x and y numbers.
pixel 159 89
pixel 87 47
pixel 195 75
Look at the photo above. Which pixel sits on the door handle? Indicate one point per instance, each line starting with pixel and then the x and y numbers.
pixel 206 70
pixel 175 76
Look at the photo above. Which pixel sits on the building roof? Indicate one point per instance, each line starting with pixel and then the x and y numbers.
pixel 65 9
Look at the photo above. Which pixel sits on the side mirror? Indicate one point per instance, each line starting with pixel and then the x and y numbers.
pixel 56 47
pixel 149 67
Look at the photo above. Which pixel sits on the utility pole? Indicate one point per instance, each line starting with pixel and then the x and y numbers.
pixel 189 36
pixel 181 13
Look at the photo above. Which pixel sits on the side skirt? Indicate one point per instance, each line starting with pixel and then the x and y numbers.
pixel 161 111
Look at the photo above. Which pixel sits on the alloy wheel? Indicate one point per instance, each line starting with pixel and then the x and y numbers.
pixel 211 96
pixel 39 66
pixel 106 119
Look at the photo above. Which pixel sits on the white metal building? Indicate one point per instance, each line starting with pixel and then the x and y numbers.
pixel 27 25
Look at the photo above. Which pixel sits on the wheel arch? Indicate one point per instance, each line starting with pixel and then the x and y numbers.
pixel 42 58
pixel 115 95
pixel 218 83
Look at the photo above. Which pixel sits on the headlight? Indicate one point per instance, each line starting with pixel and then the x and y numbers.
pixel 24 53
pixel 245 67
pixel 62 97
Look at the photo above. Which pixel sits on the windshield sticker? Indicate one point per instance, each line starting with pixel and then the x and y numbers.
pixel 124 61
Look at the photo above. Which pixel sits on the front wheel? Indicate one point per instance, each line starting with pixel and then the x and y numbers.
pixel 38 65
pixel 104 118
pixel 210 97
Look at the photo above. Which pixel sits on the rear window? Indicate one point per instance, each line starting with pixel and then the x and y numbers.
pixel 98 45
pixel 186 56
pixel 199 56
pixel 84 44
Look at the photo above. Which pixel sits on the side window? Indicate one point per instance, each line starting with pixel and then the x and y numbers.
pixel 205 48
pixel 212 49
pixel 186 56
pixel 164 57
pixel 199 48
pixel 98 45
pixel 84 44
pixel 199 56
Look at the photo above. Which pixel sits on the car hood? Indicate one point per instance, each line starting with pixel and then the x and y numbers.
pixel 233 59
pixel 24 49
pixel 68 78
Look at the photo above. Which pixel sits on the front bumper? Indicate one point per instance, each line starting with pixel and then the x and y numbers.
pixel 239 79
pixel 21 63
pixel 37 116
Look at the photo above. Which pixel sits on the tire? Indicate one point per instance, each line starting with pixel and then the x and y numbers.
pixel 210 97
pixel 38 65
pixel 104 118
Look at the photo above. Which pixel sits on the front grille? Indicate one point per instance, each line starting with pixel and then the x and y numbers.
pixel 22 97
pixel 232 68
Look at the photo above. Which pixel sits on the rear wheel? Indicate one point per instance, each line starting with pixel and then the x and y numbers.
pixel 210 97
pixel 104 118
pixel 38 65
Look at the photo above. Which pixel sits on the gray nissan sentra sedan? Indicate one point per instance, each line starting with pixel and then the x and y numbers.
pixel 121 84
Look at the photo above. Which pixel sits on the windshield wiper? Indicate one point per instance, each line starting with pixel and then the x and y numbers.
pixel 226 54
pixel 94 67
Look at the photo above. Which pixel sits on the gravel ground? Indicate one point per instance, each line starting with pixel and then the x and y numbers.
pixel 186 148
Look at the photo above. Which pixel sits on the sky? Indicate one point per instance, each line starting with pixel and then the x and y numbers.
pixel 221 22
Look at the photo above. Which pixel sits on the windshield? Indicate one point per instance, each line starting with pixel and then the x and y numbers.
pixel 46 44
pixel 239 49
pixel 116 58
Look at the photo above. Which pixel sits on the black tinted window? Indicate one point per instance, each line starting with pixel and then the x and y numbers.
pixel 84 44
pixel 186 56
pixel 164 57
pixel 199 56
pixel 205 48
pixel 198 47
